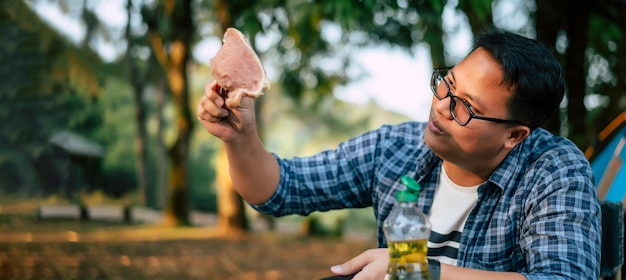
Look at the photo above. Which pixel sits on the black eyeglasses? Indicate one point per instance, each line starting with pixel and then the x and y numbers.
pixel 461 114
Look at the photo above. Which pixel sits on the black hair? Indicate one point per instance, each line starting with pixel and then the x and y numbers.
pixel 531 73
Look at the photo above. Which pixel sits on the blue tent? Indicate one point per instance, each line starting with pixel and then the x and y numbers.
pixel 610 150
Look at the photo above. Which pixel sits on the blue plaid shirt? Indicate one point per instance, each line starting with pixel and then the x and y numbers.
pixel 538 214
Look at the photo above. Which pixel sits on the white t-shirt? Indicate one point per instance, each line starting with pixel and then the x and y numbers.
pixel 451 206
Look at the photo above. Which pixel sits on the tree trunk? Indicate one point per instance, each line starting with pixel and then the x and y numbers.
pixel 137 82
pixel 575 71
pixel 230 206
pixel 548 23
pixel 433 34
pixel 174 60
pixel 161 154
pixel 479 14
pixel 231 210
pixel 437 49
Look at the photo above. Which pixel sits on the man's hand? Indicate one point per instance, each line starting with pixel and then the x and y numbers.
pixel 228 124
pixel 369 265
pixel 253 170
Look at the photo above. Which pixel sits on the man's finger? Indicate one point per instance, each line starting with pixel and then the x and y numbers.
pixel 353 265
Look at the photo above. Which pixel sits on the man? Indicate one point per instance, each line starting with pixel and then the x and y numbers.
pixel 506 199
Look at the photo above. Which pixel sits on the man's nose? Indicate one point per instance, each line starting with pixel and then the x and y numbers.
pixel 443 106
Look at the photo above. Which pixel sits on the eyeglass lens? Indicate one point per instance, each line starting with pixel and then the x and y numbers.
pixel 441 90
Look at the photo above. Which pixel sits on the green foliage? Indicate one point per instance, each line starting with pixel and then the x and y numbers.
pixel 117 134
pixel 606 66
pixel 481 8
pixel 301 46
pixel 45 89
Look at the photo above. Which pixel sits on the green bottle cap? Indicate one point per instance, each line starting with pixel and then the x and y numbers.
pixel 411 185
pixel 411 192
pixel 405 196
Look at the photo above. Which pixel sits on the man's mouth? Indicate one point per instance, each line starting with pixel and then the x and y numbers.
pixel 434 127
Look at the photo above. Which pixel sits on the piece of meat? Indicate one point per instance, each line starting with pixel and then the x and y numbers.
pixel 238 69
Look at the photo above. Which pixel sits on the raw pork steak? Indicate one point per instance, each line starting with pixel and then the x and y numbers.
pixel 237 69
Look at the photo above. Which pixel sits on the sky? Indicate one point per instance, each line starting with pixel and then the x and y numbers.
pixel 396 80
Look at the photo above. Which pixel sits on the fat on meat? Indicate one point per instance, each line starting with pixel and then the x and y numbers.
pixel 237 69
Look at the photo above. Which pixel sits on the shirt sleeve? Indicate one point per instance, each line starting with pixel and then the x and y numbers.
pixel 561 234
pixel 332 179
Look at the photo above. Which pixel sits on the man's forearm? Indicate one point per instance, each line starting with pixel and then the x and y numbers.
pixel 254 171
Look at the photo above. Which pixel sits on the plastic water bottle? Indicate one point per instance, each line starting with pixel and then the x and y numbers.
pixel 407 229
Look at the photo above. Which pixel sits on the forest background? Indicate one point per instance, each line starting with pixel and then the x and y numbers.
pixel 75 124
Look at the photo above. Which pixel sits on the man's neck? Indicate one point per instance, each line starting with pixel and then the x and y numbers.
pixel 464 176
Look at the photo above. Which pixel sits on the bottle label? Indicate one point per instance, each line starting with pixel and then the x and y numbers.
pixel 407 260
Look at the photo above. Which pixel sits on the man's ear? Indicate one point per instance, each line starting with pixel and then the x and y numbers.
pixel 516 135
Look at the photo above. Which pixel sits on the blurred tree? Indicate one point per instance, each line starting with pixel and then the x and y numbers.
pixel 97 32
pixel 479 13
pixel 170 31
pixel 138 78
pixel 231 211
pixel 549 20
pixel 606 64
pixel 586 37
pixel 140 72
pixel 574 23
pixel 48 85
